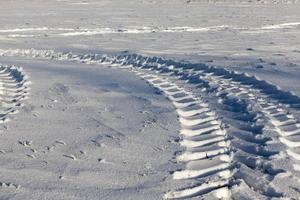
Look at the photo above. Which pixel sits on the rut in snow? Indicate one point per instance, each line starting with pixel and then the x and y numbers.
pixel 205 142
pixel 229 120
pixel 225 146
pixel 13 89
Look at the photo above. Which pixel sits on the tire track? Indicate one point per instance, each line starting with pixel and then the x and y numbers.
pixel 284 122
pixel 13 90
pixel 245 152
pixel 228 121
pixel 207 149
pixel 252 158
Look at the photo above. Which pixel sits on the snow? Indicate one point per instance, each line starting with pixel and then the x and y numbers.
pixel 149 99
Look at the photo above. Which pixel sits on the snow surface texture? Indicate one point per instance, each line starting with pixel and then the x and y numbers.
pixel 228 148
pixel 93 129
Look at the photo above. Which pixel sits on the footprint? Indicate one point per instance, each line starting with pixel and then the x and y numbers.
pixel 60 142
pixel 25 143
pixel 30 156
pixel 71 156
pixel 9 185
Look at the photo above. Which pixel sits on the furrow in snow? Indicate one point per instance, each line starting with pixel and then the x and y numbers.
pixel 202 167
pixel 13 89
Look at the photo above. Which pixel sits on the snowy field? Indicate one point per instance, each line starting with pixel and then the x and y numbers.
pixel 149 99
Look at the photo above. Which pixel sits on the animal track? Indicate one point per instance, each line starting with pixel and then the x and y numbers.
pixel 71 156
pixel 25 143
pixel 9 185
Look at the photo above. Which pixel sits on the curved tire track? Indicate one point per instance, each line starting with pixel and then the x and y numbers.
pixel 13 89
pixel 206 151
pixel 226 119
pixel 243 156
